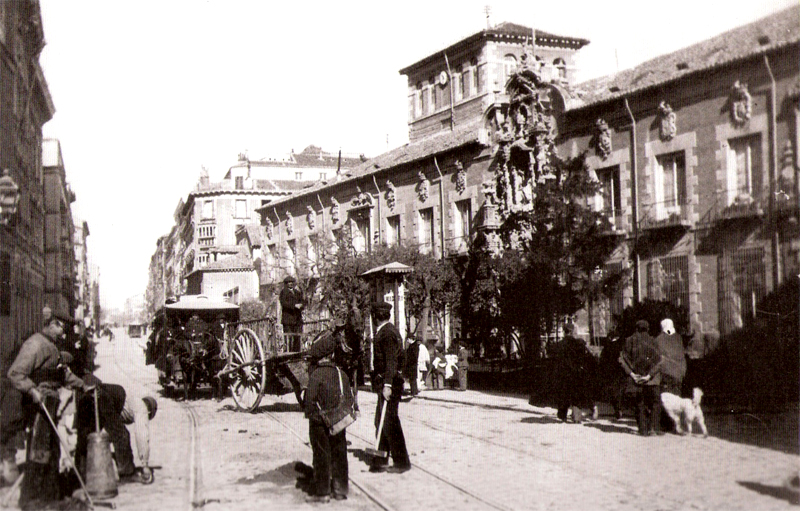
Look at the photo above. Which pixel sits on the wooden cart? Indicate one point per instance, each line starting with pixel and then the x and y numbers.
pixel 259 361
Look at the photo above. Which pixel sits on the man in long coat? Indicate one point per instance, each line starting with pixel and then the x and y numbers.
pixel 38 372
pixel 641 361
pixel 387 382
pixel 292 305
pixel 328 388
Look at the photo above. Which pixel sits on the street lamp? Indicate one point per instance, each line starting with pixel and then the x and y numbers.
pixel 9 197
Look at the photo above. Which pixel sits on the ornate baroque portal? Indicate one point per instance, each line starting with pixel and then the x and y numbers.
pixel 523 131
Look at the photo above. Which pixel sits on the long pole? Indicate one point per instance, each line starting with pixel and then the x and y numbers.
pixel 66 450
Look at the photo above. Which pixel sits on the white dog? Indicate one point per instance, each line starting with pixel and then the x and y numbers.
pixel 684 409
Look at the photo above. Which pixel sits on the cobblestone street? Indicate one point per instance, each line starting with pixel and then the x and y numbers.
pixel 470 450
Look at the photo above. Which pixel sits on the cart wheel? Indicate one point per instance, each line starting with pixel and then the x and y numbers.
pixel 248 382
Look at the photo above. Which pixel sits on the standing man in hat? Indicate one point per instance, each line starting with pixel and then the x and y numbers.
pixel 328 388
pixel 387 382
pixel 38 372
pixel 641 361
pixel 292 304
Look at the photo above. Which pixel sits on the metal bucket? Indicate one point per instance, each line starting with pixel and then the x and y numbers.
pixel 101 481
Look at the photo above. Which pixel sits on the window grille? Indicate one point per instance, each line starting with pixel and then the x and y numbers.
pixel 668 280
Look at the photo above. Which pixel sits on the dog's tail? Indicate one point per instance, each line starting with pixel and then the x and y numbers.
pixel 697 395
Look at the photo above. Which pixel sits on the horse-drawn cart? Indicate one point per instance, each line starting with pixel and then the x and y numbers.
pixel 259 361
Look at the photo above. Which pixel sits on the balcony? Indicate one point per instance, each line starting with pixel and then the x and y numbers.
pixel 664 215
pixel 615 226
pixel 731 206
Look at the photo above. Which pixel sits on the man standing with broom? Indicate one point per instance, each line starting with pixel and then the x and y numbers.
pixel 38 372
pixel 387 382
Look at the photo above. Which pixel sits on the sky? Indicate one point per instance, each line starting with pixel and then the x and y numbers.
pixel 149 91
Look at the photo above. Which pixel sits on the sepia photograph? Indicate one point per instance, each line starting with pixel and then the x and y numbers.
pixel 400 256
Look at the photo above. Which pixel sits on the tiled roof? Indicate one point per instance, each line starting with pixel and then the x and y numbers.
pixel 769 33
pixel 408 153
pixel 504 30
pixel 237 262
pixel 253 232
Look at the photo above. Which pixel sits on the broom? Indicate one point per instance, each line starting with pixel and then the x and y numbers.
pixel 375 452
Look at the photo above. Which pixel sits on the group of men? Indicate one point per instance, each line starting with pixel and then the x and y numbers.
pixel 30 402
pixel 330 389
pixel 651 365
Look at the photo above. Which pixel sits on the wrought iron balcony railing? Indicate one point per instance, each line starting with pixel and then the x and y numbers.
pixel 664 215
pixel 731 205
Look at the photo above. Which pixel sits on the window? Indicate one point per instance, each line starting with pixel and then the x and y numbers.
pixel 742 285
pixel 323 176
pixel 298 176
pixel 231 295
pixel 561 67
pixel 393 230
pixel 462 227
pixel 509 66
pixel 240 182
pixel 241 208
pixel 423 101
pixel 610 194
pixel 202 259
pixel 359 232
pixel 477 83
pixel 668 279
pixel 670 184
pixel 458 79
pixel 206 235
pixel 434 95
pixel 465 81
pixel 208 209
pixel 744 169
pixel 426 230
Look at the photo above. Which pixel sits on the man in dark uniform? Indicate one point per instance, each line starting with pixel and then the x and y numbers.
pixel 387 382
pixel 292 304
pixel 328 385
pixel 38 372
pixel 641 360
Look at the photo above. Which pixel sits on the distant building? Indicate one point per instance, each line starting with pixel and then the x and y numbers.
pixel 203 241
pixel 60 265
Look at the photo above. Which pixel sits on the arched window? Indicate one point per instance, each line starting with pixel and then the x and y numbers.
pixel 561 68
pixel 509 66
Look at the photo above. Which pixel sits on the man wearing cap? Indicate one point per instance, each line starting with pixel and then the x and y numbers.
pixel 387 382
pixel 117 408
pixel 292 304
pixel 641 361
pixel 38 372
pixel 328 388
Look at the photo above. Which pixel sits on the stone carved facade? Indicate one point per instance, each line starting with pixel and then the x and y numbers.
pixel 461 177
pixel 268 227
pixel 335 211
pixel 391 198
pixel 666 122
pixel 289 224
pixel 524 135
pixel 741 104
pixel 311 218
pixel 601 140
pixel 423 188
